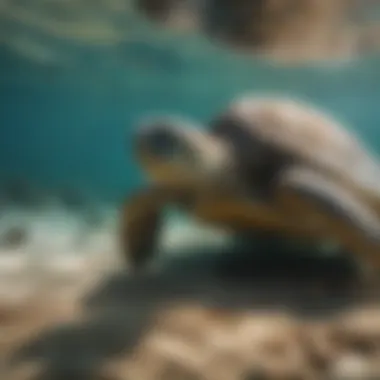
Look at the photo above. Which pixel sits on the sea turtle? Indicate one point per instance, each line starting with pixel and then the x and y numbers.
pixel 266 165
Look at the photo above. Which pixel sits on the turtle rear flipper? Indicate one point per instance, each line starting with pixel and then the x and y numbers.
pixel 317 200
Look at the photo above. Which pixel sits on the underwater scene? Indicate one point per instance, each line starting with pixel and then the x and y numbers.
pixel 77 80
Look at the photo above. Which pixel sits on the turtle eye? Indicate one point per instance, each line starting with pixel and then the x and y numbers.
pixel 164 143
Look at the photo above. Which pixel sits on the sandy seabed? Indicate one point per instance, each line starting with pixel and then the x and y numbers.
pixel 69 309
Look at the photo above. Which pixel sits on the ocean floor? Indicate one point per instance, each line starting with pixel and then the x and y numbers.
pixel 69 309
pixel 61 241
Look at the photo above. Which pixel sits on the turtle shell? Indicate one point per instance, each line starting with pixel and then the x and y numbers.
pixel 301 133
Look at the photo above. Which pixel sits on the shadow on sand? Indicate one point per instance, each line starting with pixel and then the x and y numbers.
pixel 121 308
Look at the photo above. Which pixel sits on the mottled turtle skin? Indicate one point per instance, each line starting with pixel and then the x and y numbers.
pixel 272 165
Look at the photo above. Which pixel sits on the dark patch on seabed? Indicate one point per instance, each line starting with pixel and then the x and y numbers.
pixel 122 308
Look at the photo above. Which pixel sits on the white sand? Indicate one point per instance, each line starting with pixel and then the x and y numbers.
pixel 63 249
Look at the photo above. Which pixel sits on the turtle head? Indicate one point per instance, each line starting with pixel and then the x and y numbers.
pixel 174 150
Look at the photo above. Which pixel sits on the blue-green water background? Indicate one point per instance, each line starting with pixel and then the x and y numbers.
pixel 70 124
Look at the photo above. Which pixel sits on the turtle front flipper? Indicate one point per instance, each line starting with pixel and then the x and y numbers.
pixel 326 207
pixel 141 219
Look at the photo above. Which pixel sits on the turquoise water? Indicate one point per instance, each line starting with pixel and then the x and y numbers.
pixel 70 123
